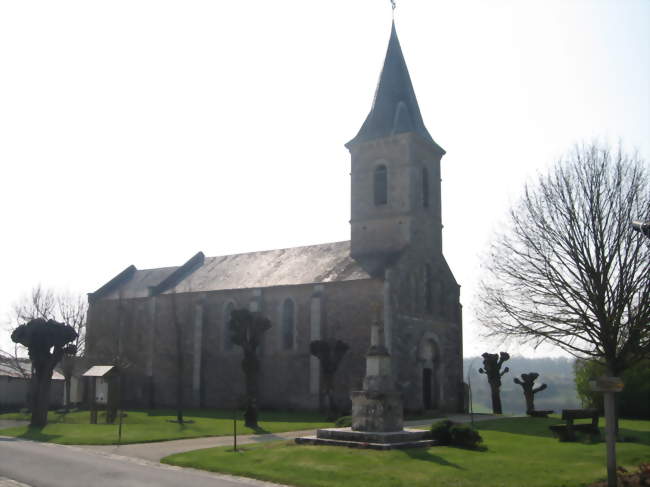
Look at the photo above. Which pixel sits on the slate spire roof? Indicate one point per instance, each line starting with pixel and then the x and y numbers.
pixel 395 108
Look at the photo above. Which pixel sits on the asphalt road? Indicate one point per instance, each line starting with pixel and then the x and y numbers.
pixel 49 465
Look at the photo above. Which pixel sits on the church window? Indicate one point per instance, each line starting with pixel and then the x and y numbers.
pixel 381 185
pixel 227 310
pixel 288 324
pixel 428 289
pixel 425 187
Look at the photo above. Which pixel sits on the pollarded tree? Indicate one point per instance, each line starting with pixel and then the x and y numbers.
pixel 527 383
pixel 492 368
pixel 569 269
pixel 329 353
pixel 246 330
pixel 63 307
pixel 47 342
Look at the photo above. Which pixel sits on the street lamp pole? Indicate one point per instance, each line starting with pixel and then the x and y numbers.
pixel 643 227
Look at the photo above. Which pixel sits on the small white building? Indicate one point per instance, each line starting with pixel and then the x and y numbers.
pixel 14 385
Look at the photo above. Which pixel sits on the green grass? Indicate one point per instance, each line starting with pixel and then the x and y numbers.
pixel 520 451
pixel 156 425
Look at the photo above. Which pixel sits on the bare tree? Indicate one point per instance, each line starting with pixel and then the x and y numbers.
pixel 527 384
pixel 72 310
pixel 330 354
pixel 492 369
pixel 63 307
pixel 39 303
pixel 47 341
pixel 569 269
pixel 246 330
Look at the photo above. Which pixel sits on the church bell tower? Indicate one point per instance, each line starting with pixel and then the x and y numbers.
pixel 395 173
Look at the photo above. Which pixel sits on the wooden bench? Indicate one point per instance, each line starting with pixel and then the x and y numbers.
pixel 540 413
pixel 566 432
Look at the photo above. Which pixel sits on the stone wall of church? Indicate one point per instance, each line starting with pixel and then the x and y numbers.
pixel 426 332
pixel 142 335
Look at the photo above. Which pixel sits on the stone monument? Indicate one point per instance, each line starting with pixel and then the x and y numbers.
pixel 377 412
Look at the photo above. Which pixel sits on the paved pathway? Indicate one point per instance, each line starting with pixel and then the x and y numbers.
pixel 31 464
pixel 12 423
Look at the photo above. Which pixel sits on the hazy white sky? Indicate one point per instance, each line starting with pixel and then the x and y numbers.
pixel 140 132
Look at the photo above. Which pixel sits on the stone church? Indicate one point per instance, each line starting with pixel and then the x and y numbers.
pixel 392 270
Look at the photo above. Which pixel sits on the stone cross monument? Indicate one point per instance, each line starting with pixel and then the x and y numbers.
pixel 377 413
pixel 378 407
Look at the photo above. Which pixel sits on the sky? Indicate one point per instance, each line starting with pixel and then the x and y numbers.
pixel 141 132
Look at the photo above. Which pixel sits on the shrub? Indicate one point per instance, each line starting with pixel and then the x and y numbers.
pixel 343 422
pixel 441 431
pixel 465 436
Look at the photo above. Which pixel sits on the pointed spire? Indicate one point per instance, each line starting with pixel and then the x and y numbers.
pixel 395 108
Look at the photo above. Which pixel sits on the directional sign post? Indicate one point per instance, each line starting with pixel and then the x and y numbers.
pixel 609 386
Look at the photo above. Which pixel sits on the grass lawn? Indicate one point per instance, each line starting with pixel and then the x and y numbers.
pixel 520 451
pixel 155 425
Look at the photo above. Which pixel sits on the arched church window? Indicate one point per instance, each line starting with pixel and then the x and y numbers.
pixel 428 289
pixel 425 187
pixel 381 185
pixel 227 310
pixel 288 324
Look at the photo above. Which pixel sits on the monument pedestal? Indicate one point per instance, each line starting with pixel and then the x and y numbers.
pixel 377 411
pixel 373 440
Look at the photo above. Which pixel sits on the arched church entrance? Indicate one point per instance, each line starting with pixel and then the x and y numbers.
pixel 429 359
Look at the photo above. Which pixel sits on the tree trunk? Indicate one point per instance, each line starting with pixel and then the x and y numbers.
pixel 250 372
pixel 530 400
pixel 496 399
pixel 42 380
pixel 329 396
pixel 68 382
pixel 179 392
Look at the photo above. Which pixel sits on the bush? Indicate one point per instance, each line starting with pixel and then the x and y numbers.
pixel 447 432
pixel 343 422
pixel 441 431
pixel 465 436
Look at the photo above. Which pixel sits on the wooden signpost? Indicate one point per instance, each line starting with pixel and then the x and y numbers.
pixel 609 386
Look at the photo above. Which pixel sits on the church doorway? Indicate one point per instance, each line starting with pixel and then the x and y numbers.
pixel 426 388
pixel 431 384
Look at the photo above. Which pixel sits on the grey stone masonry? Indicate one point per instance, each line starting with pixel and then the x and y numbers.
pixel 378 407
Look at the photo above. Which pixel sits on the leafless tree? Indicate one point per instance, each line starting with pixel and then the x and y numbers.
pixel 46 304
pixel 179 357
pixel 330 354
pixel 47 342
pixel 569 269
pixel 492 364
pixel 39 303
pixel 72 310
pixel 247 330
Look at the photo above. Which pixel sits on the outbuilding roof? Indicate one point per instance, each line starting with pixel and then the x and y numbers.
pixel 98 370
pixel 12 370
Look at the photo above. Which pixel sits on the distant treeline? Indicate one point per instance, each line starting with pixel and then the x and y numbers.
pixel 557 373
